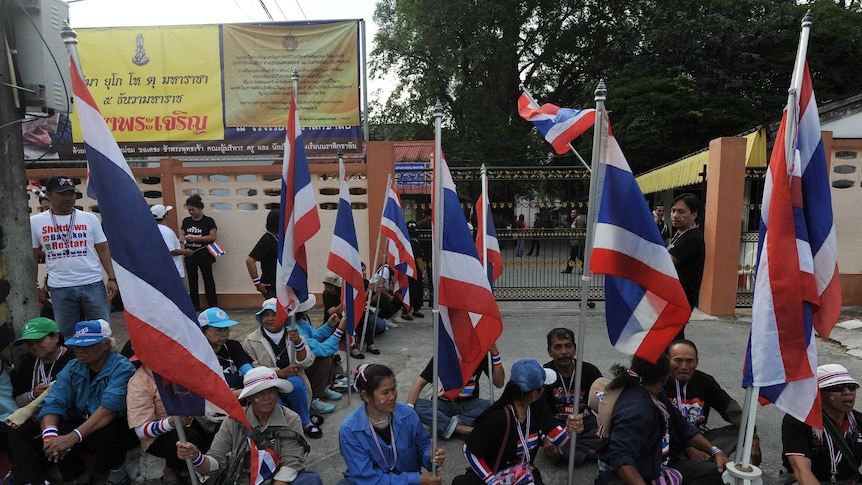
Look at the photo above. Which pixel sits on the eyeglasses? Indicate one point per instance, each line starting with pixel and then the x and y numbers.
pixel 840 387
pixel 220 330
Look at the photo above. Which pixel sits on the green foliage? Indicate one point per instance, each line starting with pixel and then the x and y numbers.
pixel 679 73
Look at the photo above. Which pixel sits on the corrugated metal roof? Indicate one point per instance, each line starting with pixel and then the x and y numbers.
pixel 413 151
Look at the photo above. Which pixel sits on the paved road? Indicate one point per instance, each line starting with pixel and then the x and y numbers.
pixel 405 349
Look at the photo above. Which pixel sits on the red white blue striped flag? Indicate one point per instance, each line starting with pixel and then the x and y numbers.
pixel 344 258
pixel 399 255
pixel 796 290
pixel 215 249
pixel 264 463
pixel 486 221
pixel 159 314
pixel 298 219
pixel 558 125
pixel 645 306
pixel 469 317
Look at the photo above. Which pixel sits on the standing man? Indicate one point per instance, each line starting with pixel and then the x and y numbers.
pixel 76 250
pixel 173 244
pixel 417 289
pixel 561 396
pixel 695 393
pixel 687 248
pixel 534 243
pixel 663 228
pixel 576 253
pixel 265 251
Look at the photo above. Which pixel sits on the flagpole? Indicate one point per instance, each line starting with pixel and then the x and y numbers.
pixel 744 471
pixel 533 100
pixel 437 238
pixel 376 254
pixel 483 227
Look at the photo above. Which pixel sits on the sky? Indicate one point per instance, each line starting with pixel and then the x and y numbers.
pixel 128 13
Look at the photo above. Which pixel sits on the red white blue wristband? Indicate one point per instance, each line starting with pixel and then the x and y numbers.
pixel 49 432
pixel 255 281
pixel 300 346
pixel 199 460
pixel 496 360
pixel 78 434
pixel 338 333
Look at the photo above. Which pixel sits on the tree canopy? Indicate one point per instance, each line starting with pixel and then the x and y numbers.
pixel 678 73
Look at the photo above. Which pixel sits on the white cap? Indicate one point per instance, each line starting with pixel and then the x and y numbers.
pixel 159 211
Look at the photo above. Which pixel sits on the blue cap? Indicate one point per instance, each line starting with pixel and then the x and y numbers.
pixel 529 375
pixel 215 317
pixel 267 305
pixel 89 332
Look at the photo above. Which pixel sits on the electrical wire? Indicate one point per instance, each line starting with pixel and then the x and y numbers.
pixel 265 10
pixel 279 9
pixel 301 10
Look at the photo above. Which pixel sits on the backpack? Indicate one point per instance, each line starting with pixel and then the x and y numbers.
pixel 238 468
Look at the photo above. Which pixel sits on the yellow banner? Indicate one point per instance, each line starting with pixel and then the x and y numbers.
pixel 155 84
pixel 259 61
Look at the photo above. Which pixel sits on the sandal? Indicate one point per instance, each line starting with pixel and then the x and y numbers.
pixel 312 431
pixel 315 419
pixel 356 354
pixel 374 351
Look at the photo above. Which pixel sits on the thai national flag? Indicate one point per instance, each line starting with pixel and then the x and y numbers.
pixel 558 125
pixel 796 290
pixel 298 221
pixel 645 303
pixel 469 317
pixel 399 255
pixel 215 249
pixel 495 259
pixel 159 314
pixel 264 463
pixel 344 258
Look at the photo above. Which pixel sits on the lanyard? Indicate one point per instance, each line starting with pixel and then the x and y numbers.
pixel 68 236
pixel 681 399
pixel 389 466
pixel 44 378
pixel 569 391
pixel 678 235
pixel 525 444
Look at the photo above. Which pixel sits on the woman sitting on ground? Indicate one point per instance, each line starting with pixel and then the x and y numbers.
pixel 323 342
pixel 274 428
pixel 506 437
pixel 39 367
pixel 382 441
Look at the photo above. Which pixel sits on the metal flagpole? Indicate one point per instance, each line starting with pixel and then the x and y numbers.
pixel 482 227
pixel 533 100
pixel 437 237
pixel 744 472
pixel 70 38
pixel 600 141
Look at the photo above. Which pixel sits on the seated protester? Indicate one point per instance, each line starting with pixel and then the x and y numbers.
pixel 85 410
pixel 456 409
pixel 816 456
pixel 154 428
pixel 382 441
pixel 285 352
pixel 332 305
pixel 234 360
pixel 46 358
pixel 646 430
pixel 274 429
pixel 561 396
pixel 7 401
pixel 323 342
pixel 695 393
pixel 388 300
pixel 506 437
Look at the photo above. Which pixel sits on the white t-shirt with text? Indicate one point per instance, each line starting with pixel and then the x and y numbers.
pixel 70 253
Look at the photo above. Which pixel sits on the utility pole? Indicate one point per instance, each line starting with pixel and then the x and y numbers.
pixel 18 301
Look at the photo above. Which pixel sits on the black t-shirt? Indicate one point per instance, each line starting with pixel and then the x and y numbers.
pixel 799 438
pixel 689 250
pixel 27 374
pixel 266 251
pixel 470 389
pixel 487 437
pixel 663 229
pixel 697 396
pixel 198 228
pixel 231 357
pixel 331 300
pixel 555 394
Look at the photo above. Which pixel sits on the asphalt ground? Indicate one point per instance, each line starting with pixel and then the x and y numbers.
pixel 407 348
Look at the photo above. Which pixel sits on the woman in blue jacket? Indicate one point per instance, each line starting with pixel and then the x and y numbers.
pixel 383 441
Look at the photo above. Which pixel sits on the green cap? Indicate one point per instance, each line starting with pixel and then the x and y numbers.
pixel 36 329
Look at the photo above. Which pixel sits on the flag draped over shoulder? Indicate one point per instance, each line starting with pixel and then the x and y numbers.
pixel 490 243
pixel 645 304
pixel 159 314
pixel 298 221
pixel 264 462
pixel 344 258
pixel 796 290
pixel 399 252
pixel 558 125
pixel 469 317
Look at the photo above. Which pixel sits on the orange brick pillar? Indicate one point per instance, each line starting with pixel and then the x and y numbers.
pixel 380 158
pixel 723 225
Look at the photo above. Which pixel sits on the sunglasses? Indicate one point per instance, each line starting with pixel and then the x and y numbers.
pixel 841 387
